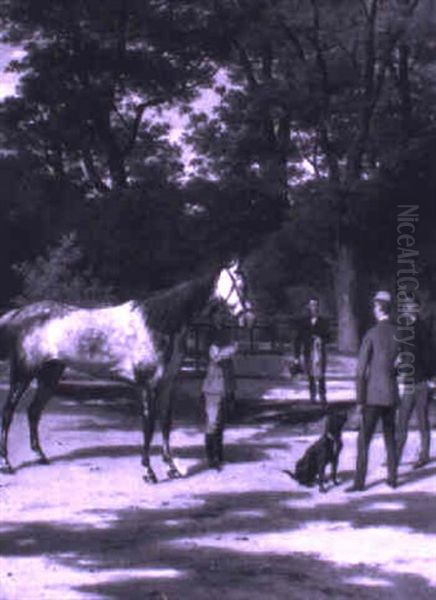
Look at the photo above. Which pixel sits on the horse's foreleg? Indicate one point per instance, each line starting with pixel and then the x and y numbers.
pixel 148 414
pixel 165 399
pixel 16 391
pixel 165 402
pixel 47 381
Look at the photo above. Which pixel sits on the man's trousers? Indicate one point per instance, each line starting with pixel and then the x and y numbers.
pixel 418 399
pixel 369 419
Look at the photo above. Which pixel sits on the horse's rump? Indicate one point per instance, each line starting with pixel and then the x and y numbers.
pixel 18 321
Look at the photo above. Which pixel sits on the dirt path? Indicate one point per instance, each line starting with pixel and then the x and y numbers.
pixel 88 527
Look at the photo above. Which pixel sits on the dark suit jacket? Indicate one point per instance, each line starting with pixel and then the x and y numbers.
pixel 422 349
pixel 304 335
pixel 376 372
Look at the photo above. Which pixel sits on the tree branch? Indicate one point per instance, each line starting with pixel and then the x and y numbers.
pixel 404 91
pixel 90 171
pixel 128 146
pixel 293 39
pixel 332 159
pixel 372 87
pixel 246 64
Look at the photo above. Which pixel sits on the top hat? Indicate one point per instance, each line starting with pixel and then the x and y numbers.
pixel 382 295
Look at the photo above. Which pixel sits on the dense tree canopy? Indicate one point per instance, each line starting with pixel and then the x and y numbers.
pixel 326 118
pixel 337 88
pixel 91 71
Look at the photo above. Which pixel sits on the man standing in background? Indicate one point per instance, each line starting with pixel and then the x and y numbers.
pixel 312 337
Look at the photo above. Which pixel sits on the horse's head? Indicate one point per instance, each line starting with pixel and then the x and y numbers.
pixel 230 288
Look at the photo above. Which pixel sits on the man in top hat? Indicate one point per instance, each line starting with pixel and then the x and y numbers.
pixel 377 389
pixel 416 372
pixel 312 337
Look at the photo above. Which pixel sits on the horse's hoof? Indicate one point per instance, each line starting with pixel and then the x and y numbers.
pixel 6 469
pixel 174 473
pixel 150 478
pixel 216 466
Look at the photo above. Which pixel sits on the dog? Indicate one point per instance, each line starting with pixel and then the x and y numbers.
pixel 312 465
pixel 295 368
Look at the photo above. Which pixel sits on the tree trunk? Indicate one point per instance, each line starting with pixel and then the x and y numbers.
pixel 345 291
pixel 114 154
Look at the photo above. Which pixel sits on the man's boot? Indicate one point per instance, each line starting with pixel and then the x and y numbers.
pixel 322 391
pixel 219 447
pixel 312 389
pixel 213 450
pixel 210 449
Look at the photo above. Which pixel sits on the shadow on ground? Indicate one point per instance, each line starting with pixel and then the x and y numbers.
pixel 144 546
pixel 208 548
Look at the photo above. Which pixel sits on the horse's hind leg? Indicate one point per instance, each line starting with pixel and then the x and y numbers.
pixel 148 413
pixel 17 388
pixel 47 381
pixel 335 462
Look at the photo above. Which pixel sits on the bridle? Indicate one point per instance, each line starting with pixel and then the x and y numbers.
pixel 236 288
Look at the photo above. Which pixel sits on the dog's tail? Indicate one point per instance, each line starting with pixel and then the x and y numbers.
pixel 290 473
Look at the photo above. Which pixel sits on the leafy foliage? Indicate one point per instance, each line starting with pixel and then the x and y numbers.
pixel 90 72
pixel 338 84
pixel 325 112
pixel 59 275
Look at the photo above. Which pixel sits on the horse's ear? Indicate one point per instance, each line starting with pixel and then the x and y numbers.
pixel 231 261
pixel 224 261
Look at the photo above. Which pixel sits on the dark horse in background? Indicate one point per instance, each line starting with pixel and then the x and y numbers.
pixel 138 342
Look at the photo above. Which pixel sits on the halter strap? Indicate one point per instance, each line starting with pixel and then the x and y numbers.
pixel 235 287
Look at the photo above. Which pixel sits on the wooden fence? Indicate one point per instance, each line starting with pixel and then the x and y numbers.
pixel 275 336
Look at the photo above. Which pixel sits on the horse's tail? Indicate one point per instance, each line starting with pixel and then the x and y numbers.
pixel 7 317
pixel 6 330
pixel 290 473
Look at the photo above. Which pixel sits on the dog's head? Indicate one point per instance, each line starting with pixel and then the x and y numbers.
pixel 294 368
pixel 336 421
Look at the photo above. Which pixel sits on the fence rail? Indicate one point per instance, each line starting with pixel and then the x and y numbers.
pixel 275 336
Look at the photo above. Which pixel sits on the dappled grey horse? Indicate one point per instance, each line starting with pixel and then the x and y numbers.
pixel 138 342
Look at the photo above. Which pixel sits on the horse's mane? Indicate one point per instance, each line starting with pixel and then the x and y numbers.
pixel 169 310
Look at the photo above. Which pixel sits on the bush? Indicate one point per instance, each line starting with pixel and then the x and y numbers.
pixel 59 275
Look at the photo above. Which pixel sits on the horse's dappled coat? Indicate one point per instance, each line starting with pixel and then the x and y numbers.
pixel 95 341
